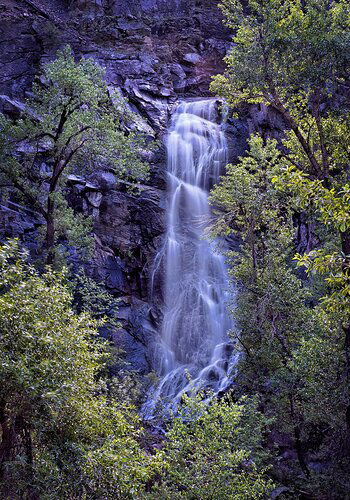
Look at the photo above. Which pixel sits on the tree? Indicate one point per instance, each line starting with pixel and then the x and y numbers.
pixel 332 207
pixel 291 337
pixel 72 122
pixel 293 56
pixel 209 452
pixel 61 433
pixel 269 311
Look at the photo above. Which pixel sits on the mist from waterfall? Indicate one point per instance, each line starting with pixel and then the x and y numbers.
pixel 193 342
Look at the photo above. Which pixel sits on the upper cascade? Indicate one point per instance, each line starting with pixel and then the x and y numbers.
pixel 194 348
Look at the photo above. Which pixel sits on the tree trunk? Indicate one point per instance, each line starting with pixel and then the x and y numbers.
pixel 297 438
pixel 50 232
pixel 28 446
pixel 50 214
pixel 291 123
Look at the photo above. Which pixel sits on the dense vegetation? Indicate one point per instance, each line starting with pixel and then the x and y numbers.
pixel 70 430
pixel 294 326
pixel 72 122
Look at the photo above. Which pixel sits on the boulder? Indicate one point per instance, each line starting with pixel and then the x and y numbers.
pixel 192 58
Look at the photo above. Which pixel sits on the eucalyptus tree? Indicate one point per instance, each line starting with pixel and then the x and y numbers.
pixel 72 122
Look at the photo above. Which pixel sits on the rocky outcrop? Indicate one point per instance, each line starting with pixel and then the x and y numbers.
pixel 151 48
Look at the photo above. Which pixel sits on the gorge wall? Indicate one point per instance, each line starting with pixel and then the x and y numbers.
pixel 156 52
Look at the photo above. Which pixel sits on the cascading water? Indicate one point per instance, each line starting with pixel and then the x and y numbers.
pixel 193 339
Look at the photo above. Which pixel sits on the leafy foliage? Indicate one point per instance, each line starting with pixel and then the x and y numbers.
pixel 92 297
pixel 66 433
pixel 204 456
pixel 72 121
pixel 62 434
pixel 294 329
pixel 293 354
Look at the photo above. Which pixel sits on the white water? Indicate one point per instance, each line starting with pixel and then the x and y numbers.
pixel 193 338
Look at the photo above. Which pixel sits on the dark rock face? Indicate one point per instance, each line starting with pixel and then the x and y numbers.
pixel 128 229
pixel 152 49
pixel 155 51
pixel 131 227
pixel 155 7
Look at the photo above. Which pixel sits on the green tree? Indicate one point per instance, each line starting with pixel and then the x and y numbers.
pixel 92 297
pixel 292 337
pixel 61 433
pixel 270 311
pixel 73 122
pixel 293 57
pixel 332 208
pixel 209 453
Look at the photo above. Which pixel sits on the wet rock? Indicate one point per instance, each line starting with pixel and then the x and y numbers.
pixel 192 58
pixel 94 198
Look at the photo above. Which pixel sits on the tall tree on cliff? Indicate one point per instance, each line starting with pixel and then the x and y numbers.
pixel 72 122
pixel 293 55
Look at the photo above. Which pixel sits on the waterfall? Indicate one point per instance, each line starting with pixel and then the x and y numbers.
pixel 193 339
